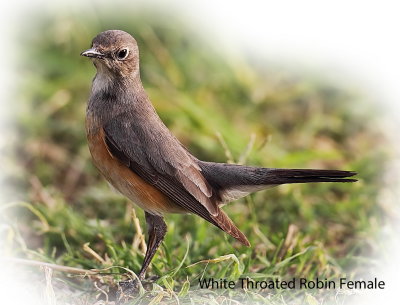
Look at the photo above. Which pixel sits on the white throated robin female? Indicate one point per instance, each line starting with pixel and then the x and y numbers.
pixel 140 157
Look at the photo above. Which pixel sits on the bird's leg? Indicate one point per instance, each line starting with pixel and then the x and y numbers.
pixel 156 230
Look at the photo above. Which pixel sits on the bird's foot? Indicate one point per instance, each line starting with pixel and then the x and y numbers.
pixel 129 287
pixel 127 290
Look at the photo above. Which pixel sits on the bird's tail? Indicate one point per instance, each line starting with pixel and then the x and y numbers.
pixel 232 181
pixel 283 176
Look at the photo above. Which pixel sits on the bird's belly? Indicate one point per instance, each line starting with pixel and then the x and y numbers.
pixel 126 181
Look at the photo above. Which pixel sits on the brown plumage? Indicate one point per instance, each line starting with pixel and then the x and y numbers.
pixel 139 156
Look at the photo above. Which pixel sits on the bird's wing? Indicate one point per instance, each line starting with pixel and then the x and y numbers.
pixel 157 155
pixel 159 158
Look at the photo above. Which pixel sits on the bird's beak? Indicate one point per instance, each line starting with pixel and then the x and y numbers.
pixel 92 53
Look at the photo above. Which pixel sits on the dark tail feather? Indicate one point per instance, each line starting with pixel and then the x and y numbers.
pixel 224 176
pixel 282 176
pixel 232 181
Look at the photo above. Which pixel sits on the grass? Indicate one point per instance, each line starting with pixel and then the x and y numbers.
pixel 59 210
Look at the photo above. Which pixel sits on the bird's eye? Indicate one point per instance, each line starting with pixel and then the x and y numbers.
pixel 122 54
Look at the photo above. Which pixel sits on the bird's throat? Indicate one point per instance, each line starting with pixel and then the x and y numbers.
pixel 102 82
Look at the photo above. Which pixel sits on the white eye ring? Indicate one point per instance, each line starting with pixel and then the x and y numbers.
pixel 122 54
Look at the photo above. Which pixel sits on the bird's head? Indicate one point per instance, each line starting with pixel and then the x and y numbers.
pixel 115 53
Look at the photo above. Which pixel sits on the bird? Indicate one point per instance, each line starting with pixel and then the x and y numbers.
pixel 138 155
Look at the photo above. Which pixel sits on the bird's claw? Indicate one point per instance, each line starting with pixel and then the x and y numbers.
pixel 127 289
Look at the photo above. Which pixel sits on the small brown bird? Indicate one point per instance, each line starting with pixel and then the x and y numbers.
pixel 139 156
